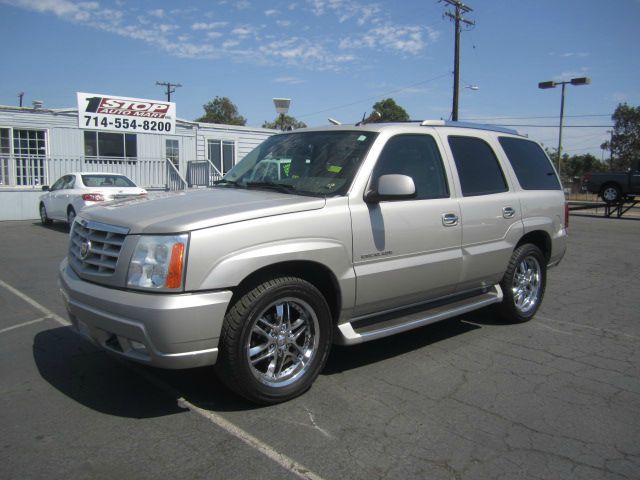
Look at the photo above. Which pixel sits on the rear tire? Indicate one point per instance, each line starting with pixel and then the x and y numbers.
pixel 275 340
pixel 523 284
pixel 611 193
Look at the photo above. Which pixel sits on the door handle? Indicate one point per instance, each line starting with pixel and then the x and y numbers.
pixel 449 219
pixel 508 212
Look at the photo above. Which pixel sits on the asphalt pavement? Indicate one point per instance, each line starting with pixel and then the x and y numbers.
pixel 467 398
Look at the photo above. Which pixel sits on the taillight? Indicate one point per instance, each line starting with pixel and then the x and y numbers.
pixel 93 197
pixel 566 214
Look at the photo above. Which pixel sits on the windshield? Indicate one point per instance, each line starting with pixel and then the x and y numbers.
pixel 316 163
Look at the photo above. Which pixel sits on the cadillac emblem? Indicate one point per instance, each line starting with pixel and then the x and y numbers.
pixel 85 249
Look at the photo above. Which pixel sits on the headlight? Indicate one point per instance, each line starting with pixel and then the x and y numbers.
pixel 158 262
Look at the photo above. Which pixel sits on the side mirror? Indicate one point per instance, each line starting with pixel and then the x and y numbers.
pixel 45 188
pixel 392 187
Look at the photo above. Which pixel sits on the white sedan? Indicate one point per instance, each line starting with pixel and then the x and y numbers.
pixel 74 191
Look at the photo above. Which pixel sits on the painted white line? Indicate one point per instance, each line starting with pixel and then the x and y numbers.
pixel 280 458
pixel 37 320
pixel 34 304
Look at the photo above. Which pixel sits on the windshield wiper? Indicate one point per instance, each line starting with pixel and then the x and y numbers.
pixel 280 187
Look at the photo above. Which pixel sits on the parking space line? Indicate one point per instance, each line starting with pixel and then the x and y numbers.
pixel 20 325
pixel 280 458
pixel 34 304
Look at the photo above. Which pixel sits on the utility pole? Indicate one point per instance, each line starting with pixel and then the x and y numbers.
pixel 21 96
pixel 457 17
pixel 171 87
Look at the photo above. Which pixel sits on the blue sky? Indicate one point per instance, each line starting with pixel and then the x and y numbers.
pixel 333 58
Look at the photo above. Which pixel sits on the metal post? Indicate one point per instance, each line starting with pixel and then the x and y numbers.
pixel 560 135
pixel 456 69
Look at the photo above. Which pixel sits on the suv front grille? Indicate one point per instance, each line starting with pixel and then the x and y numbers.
pixel 95 247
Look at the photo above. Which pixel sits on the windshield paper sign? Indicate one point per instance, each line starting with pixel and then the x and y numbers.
pixel 122 114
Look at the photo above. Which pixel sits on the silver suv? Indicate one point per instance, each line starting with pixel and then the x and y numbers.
pixel 363 232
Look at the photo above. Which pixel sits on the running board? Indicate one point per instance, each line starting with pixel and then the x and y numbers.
pixel 364 330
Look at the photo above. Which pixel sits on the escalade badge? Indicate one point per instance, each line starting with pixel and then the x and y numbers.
pixel 85 248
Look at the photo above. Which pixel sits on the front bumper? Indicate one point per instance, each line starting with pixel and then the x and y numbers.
pixel 164 330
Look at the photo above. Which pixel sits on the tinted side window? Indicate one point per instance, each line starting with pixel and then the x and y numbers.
pixel 418 157
pixel 478 167
pixel 532 167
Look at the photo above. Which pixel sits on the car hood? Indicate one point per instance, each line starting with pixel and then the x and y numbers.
pixel 186 211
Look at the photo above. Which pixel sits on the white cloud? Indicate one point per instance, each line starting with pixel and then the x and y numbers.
pixel 270 13
pixel 208 26
pixel 288 80
pixel 157 13
pixel 346 10
pixel 283 23
pixel 405 39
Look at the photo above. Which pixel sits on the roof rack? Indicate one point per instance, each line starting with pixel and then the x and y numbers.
pixel 483 126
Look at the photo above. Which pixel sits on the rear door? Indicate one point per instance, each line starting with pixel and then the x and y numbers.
pixel 407 251
pixel 490 211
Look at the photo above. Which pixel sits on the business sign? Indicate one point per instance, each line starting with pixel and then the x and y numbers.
pixel 123 114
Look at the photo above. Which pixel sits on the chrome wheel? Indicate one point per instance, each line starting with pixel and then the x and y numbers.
pixel 611 194
pixel 283 342
pixel 527 284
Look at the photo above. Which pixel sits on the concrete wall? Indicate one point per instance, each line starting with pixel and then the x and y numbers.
pixel 19 204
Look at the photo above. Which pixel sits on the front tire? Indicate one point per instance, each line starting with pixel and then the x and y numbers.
pixel 275 340
pixel 44 218
pixel 71 216
pixel 523 284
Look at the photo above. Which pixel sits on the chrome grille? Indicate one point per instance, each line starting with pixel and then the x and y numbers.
pixel 95 247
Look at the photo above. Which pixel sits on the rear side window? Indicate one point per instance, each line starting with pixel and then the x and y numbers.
pixel 532 167
pixel 478 167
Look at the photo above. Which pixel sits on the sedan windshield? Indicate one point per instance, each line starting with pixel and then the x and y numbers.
pixel 316 163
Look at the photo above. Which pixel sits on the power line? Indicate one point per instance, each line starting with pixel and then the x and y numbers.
pixel 375 97
pixel 555 126
pixel 540 117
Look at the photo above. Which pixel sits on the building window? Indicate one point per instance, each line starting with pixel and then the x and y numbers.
pixel 29 149
pixel 102 147
pixel 222 154
pixel 5 152
pixel 172 148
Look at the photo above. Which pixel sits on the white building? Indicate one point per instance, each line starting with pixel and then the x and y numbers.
pixel 38 145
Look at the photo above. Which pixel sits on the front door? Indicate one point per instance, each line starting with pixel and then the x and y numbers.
pixel 407 251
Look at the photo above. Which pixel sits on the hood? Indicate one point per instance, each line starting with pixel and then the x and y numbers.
pixel 186 211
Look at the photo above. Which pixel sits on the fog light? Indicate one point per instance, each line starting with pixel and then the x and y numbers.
pixel 140 347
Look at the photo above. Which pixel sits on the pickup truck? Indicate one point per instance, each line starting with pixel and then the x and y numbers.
pixel 614 187
pixel 362 232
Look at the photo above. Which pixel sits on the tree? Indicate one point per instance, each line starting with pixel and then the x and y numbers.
pixel 578 165
pixel 390 111
pixel 625 140
pixel 222 110
pixel 285 123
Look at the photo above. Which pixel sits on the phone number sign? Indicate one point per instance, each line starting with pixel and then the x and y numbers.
pixel 124 114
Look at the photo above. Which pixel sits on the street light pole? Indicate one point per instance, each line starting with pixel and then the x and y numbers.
pixel 552 84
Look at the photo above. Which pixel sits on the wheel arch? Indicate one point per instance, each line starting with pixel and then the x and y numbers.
pixel 315 273
pixel 540 239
